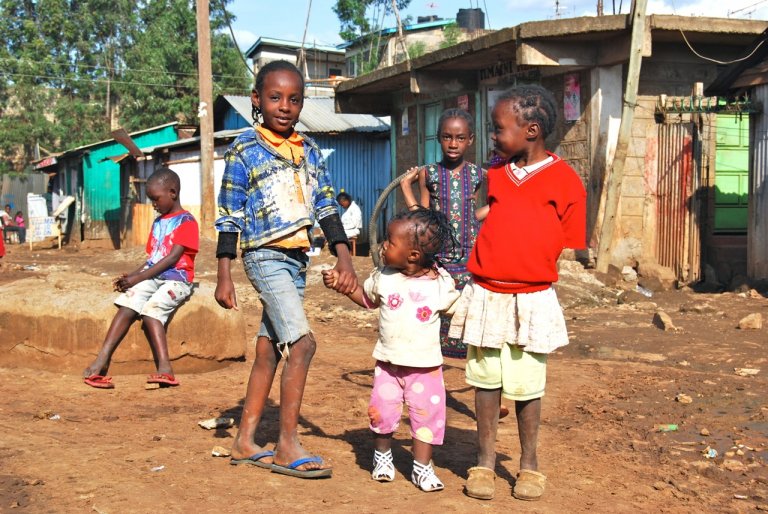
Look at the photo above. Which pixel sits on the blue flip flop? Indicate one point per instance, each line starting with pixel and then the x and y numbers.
pixel 291 470
pixel 255 460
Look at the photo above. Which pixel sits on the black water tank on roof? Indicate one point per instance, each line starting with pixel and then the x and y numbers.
pixel 471 19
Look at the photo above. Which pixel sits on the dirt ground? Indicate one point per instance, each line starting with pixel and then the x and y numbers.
pixel 66 447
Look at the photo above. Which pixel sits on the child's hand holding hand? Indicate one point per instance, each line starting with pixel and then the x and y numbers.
pixel 330 278
pixel 346 280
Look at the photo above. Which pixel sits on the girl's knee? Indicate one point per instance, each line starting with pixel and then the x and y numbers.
pixel 306 345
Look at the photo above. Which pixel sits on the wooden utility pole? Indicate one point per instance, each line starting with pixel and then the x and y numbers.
pixel 616 175
pixel 205 113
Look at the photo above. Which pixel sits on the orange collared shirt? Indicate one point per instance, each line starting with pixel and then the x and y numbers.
pixel 292 148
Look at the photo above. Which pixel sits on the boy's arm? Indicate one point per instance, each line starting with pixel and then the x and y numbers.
pixel 226 252
pixel 167 262
pixel 347 280
pixel 225 288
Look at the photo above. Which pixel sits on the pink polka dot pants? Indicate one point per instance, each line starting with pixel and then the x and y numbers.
pixel 422 390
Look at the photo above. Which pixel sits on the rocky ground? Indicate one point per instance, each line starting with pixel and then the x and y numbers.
pixel 657 405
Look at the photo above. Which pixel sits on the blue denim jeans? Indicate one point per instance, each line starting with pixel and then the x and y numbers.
pixel 280 277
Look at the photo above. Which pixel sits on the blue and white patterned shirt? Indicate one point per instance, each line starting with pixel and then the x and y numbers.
pixel 259 196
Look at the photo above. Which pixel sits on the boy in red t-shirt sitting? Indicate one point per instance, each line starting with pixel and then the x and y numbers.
pixel 157 288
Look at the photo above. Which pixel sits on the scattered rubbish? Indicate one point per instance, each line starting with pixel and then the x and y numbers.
pixel 30 267
pixel 643 291
pixel 709 453
pixel 746 372
pixel 741 496
pixel 684 363
pixel 210 424
pixel 158 468
pixel 55 417
pixel 151 386
pixel 220 451
pixel 683 398
pixel 667 427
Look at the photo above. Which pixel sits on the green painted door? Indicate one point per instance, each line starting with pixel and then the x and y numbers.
pixel 731 173
pixel 431 141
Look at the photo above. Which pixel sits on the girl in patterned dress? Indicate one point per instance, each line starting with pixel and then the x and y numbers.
pixel 451 186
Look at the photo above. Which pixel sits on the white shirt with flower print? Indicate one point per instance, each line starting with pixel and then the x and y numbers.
pixel 409 322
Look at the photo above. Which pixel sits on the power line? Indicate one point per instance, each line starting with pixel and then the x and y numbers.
pixel 103 68
pixel 104 81
pixel 234 40
pixel 697 54
pixel 745 8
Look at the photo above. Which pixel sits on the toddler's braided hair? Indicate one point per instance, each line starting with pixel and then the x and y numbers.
pixel 534 103
pixel 431 232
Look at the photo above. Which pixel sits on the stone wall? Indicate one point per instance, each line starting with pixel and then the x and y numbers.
pixel 58 322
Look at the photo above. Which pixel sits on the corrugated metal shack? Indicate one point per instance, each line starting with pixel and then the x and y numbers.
pixel 91 173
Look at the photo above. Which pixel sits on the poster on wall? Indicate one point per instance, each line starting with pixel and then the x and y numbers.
pixel 463 102
pixel 572 97
pixel 405 129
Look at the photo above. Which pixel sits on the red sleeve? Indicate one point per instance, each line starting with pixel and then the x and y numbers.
pixel 574 218
pixel 187 235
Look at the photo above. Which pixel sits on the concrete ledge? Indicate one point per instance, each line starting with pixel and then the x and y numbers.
pixel 58 322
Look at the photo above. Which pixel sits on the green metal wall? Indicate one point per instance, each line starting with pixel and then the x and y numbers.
pixel 732 173
pixel 101 177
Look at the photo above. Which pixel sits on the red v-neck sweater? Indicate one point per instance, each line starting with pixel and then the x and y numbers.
pixel 529 223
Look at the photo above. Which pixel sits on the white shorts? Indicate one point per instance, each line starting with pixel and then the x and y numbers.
pixel 155 298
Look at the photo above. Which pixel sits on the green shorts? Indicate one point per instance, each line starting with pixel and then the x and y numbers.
pixel 520 375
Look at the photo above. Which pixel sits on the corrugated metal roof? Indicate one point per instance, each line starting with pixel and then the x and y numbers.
pixel 136 133
pixel 284 43
pixel 318 115
pixel 221 134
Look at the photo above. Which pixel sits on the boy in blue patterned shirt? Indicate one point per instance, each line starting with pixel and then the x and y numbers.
pixel 275 185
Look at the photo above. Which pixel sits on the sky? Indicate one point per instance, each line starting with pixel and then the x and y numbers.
pixel 255 18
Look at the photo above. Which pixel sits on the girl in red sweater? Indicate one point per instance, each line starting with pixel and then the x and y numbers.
pixel 508 315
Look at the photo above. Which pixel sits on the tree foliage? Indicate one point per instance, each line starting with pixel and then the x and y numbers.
pixel 361 21
pixel 70 68
pixel 361 17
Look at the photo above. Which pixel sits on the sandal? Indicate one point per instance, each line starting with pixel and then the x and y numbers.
pixel 480 483
pixel 383 466
pixel 423 476
pixel 529 485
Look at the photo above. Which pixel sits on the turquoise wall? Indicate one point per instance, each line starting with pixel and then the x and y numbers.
pixel 101 176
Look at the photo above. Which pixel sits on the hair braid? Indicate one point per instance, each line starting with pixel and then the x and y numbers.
pixel 534 103
pixel 461 114
pixel 432 233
